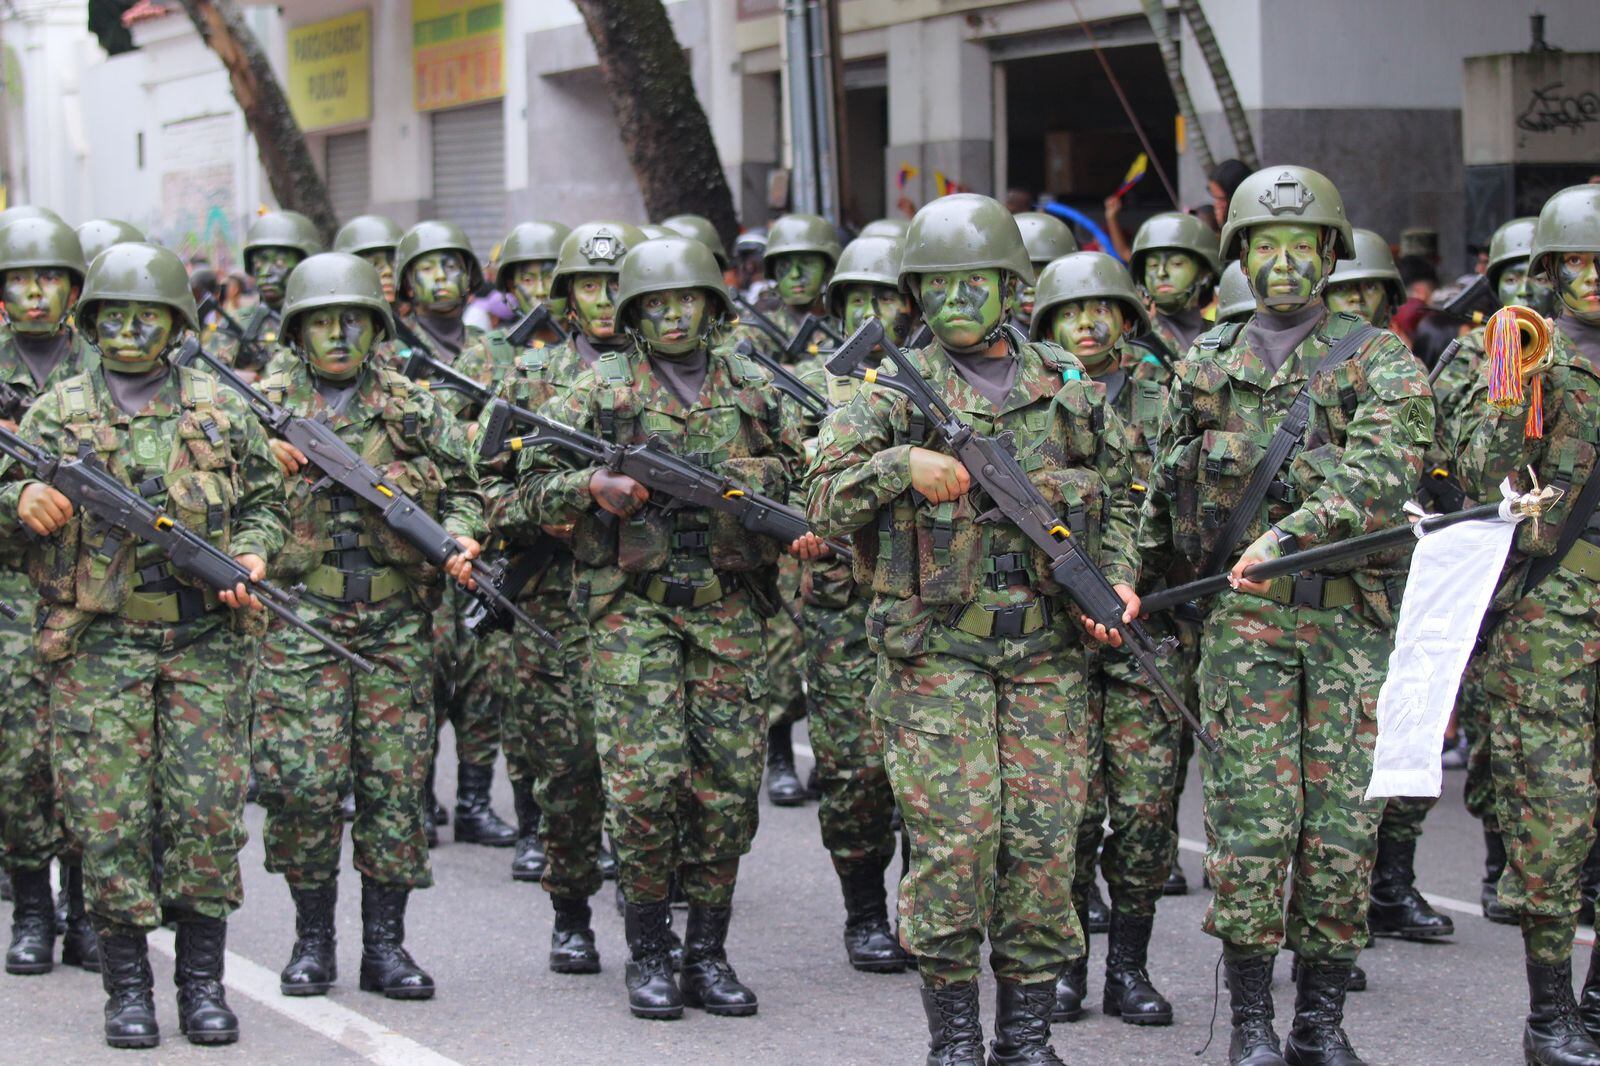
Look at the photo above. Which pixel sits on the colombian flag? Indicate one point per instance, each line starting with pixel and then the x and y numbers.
pixel 1134 175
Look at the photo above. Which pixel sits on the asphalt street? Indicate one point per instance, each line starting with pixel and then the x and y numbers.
pixel 484 939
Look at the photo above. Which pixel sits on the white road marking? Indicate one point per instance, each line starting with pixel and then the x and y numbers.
pixel 351 1029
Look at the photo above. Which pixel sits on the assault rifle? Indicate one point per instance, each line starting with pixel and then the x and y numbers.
pixel 793 347
pixel 93 488
pixel 342 466
pixel 13 405
pixel 995 470
pixel 249 341
pixel 787 382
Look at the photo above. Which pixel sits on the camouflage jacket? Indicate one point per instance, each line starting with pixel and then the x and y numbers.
pixel 1137 391
pixel 475 364
pixel 785 319
pixel 1452 393
pixel 260 324
pixel 1372 419
pixel 398 427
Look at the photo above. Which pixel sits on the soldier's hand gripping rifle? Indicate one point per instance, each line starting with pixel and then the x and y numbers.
pixel 248 341
pixel 93 489
pixel 341 465
pixel 995 470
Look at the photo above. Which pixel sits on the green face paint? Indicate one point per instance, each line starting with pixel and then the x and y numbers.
pixel 37 299
pixel 439 282
pixel 594 302
pixel 270 267
pixel 863 301
pixel 337 340
pixel 530 283
pixel 1509 287
pixel 962 309
pixel 1023 299
pixel 1368 299
pixel 1578 284
pixel 800 277
pixel 132 336
pixel 1089 329
pixel 1172 280
pixel 382 261
pixel 1286 265
pixel 1537 294
pixel 672 322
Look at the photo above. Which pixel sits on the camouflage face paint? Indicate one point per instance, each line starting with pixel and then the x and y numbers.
pixel 337 340
pixel 1578 284
pixel 863 300
pixel 800 277
pixel 132 336
pixel 1023 298
pixel 1172 279
pixel 593 301
pixel 37 299
pixel 1286 265
pixel 382 261
pixel 1512 275
pixel 672 322
pixel 1537 294
pixel 962 309
pixel 530 283
pixel 270 267
pixel 1089 329
pixel 439 282
pixel 1367 299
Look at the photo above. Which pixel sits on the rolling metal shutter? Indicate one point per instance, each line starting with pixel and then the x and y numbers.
pixel 469 155
pixel 349 174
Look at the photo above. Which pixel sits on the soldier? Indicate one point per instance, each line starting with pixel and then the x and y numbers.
pixel 98 234
pixel 274 245
pixel 149 704
pixel 1539 672
pixel 700 228
pixel 980 687
pixel 1176 264
pixel 1047 239
pixel 323 728
pixel 549 724
pixel 1087 304
pixel 1290 670
pixel 374 238
pixel 885 227
pixel 21 211
pixel 674 603
pixel 1367 284
pixel 41 274
pixel 1235 301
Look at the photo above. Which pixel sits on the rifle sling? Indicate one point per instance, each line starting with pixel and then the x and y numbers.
pixel 1583 509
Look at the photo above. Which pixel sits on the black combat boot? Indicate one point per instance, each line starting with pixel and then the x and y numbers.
pixel 203 1013
pixel 1022 1025
pixel 572 947
pixel 708 981
pixel 1096 918
pixel 1072 988
pixel 528 862
pixel 1316 1038
pixel 783 785
pixel 1129 992
pixel 869 942
pixel 1176 884
pixel 1494 861
pixel 79 946
pixel 1358 976
pixel 1554 1034
pixel 33 923
pixel 130 990
pixel 314 962
pixel 386 966
pixel 652 993
pixel 5 887
pixel 1589 1003
pixel 1397 908
pixel 955 1033
pixel 608 860
pixel 1254 1042
pixel 1589 884
pixel 476 822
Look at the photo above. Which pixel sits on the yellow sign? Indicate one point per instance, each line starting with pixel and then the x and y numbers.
pixel 457 52
pixel 330 71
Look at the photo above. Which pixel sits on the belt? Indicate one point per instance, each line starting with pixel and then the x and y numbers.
pixel 1322 591
pixel 341 586
pixel 184 605
pixel 1019 620
pixel 1582 560
pixel 678 592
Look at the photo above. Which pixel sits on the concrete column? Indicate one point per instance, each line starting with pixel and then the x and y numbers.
pixel 402 143
pixel 941 108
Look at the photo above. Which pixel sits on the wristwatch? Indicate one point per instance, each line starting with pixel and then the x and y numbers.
pixel 1287 541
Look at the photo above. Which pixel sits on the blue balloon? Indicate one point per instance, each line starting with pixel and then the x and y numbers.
pixel 1072 214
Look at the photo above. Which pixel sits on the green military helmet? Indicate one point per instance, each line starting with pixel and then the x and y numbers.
pixel 669 263
pixel 593 248
pixel 1175 230
pixel 98 234
pixel 1286 193
pixel 864 261
pixel 1568 222
pixel 21 211
pixel 140 273
pixel 653 232
pixel 700 228
pixel 367 233
pixel 794 234
pixel 1046 237
pixel 281 229
pixel 529 242
pixel 1087 276
pixel 1372 261
pixel 41 242
pixel 333 279
pixel 886 227
pixel 433 235
pixel 963 231
pixel 1511 243
pixel 1235 301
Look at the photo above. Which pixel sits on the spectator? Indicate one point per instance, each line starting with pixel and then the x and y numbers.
pixel 1225 177
pixel 1419 279
pixel 1018 200
pixel 1434 332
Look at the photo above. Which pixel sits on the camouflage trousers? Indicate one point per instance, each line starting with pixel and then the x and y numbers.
pixel 1402 818
pixel 1543 686
pixel 857 806
pixel 324 729
pixel 150 725
pixel 467 680
pixel 1292 694
pixel 785 699
pixel 30 826
pixel 681 729
pixel 1472 717
pixel 986 749
pixel 548 730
